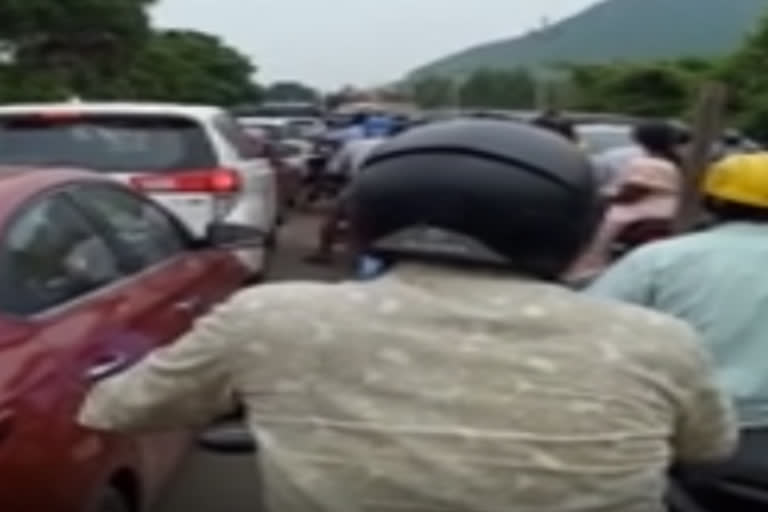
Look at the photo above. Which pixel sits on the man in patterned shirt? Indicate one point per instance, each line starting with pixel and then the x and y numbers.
pixel 464 379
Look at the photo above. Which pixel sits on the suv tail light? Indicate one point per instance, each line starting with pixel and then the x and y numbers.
pixel 211 181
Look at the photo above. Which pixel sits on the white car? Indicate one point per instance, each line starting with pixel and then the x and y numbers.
pixel 195 160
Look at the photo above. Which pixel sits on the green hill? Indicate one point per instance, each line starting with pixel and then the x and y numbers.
pixel 618 30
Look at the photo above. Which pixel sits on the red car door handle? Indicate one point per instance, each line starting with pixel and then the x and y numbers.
pixel 107 367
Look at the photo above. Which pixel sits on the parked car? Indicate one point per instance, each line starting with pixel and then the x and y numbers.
pixel 196 161
pixel 93 275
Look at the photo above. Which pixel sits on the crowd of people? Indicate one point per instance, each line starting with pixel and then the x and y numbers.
pixel 496 356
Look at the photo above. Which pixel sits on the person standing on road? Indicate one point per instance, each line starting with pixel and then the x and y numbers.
pixel 462 379
pixel 715 281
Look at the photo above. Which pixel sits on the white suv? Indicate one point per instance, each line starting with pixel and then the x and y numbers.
pixel 195 160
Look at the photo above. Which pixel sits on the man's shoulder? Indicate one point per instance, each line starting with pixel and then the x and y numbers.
pixel 674 247
pixel 628 314
pixel 306 295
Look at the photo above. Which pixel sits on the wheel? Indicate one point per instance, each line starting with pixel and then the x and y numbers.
pixel 111 500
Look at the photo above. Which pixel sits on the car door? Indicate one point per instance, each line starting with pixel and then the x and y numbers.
pixel 173 283
pixel 65 328
pixel 183 279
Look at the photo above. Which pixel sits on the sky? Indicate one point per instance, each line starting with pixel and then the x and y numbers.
pixel 331 43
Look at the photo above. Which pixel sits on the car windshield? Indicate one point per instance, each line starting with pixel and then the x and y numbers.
pixel 603 138
pixel 109 143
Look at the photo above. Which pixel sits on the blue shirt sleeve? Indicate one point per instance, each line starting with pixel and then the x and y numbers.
pixel 630 280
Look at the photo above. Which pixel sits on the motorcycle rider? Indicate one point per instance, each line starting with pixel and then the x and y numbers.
pixel 347 163
pixel 463 378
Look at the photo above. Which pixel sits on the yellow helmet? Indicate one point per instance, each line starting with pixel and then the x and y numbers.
pixel 741 179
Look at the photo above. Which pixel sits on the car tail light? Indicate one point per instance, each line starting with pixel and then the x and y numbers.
pixel 211 181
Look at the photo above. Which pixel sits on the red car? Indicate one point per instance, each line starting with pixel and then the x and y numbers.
pixel 93 276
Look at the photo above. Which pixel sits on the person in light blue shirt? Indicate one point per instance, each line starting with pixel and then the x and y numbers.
pixel 716 280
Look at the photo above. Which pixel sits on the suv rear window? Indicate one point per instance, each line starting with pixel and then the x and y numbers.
pixel 108 143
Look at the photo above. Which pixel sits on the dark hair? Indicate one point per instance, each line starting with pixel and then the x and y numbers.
pixel 661 139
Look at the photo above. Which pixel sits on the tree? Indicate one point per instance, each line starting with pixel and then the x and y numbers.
pixel 184 66
pixel 514 89
pixel 291 91
pixel 645 89
pixel 72 42
pixel 434 91
pixel 106 49
pixel 748 85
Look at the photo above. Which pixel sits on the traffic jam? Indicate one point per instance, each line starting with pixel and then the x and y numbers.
pixel 121 226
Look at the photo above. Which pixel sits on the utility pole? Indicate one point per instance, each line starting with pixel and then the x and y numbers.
pixel 542 93
pixel 457 84
pixel 707 126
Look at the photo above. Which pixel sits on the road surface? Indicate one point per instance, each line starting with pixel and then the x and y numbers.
pixel 213 483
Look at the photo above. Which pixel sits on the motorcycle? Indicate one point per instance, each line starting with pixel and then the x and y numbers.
pixel 737 493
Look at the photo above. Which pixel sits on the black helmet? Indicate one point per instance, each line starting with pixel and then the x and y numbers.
pixel 478 192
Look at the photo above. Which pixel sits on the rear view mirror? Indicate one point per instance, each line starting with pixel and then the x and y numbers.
pixel 228 437
pixel 234 236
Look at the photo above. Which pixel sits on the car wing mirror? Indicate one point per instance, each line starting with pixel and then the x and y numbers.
pixel 229 436
pixel 234 236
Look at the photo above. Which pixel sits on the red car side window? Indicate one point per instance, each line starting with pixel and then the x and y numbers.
pixel 51 255
pixel 144 234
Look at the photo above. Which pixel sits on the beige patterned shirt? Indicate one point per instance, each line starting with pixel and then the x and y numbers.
pixel 436 390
